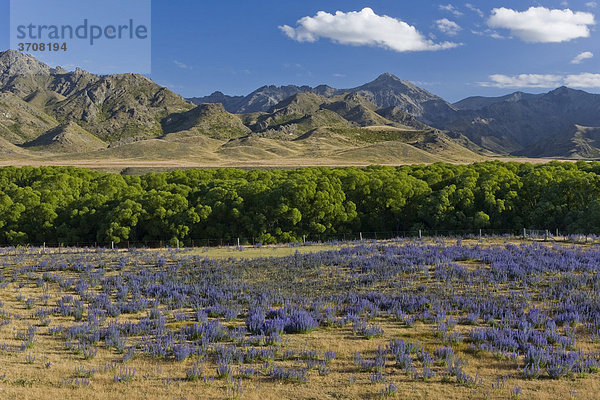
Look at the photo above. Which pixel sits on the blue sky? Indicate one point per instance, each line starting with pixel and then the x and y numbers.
pixel 454 49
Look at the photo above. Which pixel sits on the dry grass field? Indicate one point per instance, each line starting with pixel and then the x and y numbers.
pixel 330 150
pixel 57 311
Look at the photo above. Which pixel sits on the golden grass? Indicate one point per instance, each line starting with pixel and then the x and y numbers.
pixel 252 152
pixel 250 252
pixel 161 379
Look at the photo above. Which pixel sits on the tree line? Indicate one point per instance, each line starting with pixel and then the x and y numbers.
pixel 69 205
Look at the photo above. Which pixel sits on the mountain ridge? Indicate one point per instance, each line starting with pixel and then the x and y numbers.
pixel 41 106
pixel 507 125
pixel 50 112
pixel 511 127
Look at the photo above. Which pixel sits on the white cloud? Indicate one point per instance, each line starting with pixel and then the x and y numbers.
pixel 591 4
pixel 523 80
pixel 584 80
pixel 582 56
pixel 474 9
pixel 542 25
pixel 450 8
pixel 181 65
pixel 448 27
pixel 362 28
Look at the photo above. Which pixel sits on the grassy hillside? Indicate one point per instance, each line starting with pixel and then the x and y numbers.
pixel 50 116
pixel 67 138
pixel 206 119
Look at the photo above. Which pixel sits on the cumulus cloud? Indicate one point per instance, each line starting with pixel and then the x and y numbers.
pixel 523 80
pixel 181 65
pixel 362 28
pixel 487 32
pixel 542 25
pixel 585 80
pixel 582 56
pixel 474 9
pixel 450 8
pixel 448 27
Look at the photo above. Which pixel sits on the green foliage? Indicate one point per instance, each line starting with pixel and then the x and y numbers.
pixel 71 205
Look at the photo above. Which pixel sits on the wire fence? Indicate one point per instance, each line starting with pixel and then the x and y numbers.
pixel 508 234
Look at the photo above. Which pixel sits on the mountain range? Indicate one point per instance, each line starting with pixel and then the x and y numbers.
pixel 517 124
pixel 53 114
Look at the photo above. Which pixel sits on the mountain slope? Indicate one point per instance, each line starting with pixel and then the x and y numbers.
pixel 112 107
pixel 261 100
pixel 20 121
pixel 230 103
pixel 511 127
pixel 579 142
pixel 206 119
pixel 389 91
pixel 348 118
pixel 402 117
pixel 479 102
pixel 14 64
pixel 385 91
pixel 67 138
pixel 7 149
pixel 291 109
pixel 357 109
pixel 121 106
pixel 50 109
pixel 509 124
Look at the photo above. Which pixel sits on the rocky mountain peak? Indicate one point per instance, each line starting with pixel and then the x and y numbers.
pixel 14 63
pixel 564 91
pixel 387 77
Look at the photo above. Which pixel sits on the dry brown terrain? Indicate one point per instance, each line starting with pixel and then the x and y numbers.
pixel 53 372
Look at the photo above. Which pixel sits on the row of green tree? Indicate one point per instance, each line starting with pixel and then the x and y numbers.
pixel 69 205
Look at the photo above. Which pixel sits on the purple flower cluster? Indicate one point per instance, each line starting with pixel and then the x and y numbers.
pixel 535 305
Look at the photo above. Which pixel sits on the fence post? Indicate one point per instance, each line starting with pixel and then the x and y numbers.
pixel 360 234
pixel 524 234
pixel 112 245
pixel 303 238
pixel 44 247
pixel 177 243
pixel 420 235
pixel 238 242
pixel 480 234
pixel 546 235
pixel 556 232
